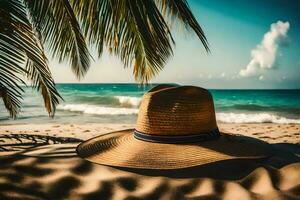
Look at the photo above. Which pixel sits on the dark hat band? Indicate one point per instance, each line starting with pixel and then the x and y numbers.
pixel 174 139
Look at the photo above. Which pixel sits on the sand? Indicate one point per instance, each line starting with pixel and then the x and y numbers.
pixel 272 133
pixel 40 162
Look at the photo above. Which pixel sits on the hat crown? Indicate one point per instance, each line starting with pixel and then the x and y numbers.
pixel 170 110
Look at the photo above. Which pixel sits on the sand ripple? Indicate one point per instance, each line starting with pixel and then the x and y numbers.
pixel 55 172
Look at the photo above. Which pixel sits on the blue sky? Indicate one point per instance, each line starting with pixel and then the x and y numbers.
pixel 241 39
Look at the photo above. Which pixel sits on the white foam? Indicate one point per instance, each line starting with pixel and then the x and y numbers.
pixel 254 118
pixel 126 100
pixel 222 117
pixel 97 110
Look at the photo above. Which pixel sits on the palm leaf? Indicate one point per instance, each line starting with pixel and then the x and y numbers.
pixel 178 10
pixel 10 91
pixel 59 30
pixel 18 45
pixel 135 30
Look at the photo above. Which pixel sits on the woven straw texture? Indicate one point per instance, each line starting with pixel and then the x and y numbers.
pixel 121 149
pixel 168 110
pixel 176 111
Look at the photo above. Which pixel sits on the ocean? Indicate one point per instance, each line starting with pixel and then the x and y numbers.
pixel 118 103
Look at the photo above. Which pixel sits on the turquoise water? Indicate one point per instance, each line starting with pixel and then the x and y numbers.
pixel 118 103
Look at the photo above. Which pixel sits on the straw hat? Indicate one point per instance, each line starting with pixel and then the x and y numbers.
pixel 176 128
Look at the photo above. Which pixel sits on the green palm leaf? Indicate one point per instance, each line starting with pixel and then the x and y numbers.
pixel 135 30
pixel 58 28
pixel 178 10
pixel 18 45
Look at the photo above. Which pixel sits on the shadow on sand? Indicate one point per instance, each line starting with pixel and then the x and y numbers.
pixel 17 142
pixel 56 172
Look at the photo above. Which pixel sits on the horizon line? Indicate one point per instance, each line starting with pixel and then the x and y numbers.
pixel 182 85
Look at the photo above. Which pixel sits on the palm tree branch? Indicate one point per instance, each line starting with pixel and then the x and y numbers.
pixel 133 30
pixel 18 41
pixel 61 33
pixel 179 9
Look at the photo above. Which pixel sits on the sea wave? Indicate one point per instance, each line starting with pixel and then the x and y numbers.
pixel 97 110
pixel 129 101
pixel 96 100
pixel 123 101
pixel 250 107
pixel 221 116
pixel 257 107
pixel 254 118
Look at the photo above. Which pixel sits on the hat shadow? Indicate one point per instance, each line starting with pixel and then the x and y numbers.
pixel 234 169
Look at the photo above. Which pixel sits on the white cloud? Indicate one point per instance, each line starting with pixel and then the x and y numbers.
pixel 265 53
pixel 223 75
pixel 209 76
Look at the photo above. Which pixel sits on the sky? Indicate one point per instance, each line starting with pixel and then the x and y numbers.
pixel 254 45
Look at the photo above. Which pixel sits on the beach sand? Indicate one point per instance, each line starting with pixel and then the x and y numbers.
pixel 38 161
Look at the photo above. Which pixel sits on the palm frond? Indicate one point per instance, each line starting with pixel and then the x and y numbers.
pixel 11 59
pixel 134 30
pixel 59 30
pixel 11 99
pixel 18 45
pixel 179 11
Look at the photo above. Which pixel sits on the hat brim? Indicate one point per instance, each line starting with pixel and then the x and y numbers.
pixel 121 149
